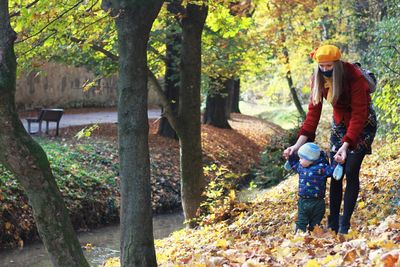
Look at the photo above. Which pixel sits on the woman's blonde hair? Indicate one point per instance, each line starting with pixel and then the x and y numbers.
pixel 317 91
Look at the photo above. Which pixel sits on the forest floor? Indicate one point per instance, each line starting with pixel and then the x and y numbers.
pixel 260 231
pixel 86 171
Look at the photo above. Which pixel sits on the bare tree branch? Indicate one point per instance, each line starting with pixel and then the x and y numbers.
pixel 167 112
pixel 98 48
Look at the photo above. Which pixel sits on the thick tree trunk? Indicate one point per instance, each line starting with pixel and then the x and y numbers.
pixel 134 20
pixel 193 183
pixel 173 45
pixel 20 154
pixel 215 112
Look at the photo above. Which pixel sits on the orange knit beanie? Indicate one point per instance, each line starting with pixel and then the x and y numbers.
pixel 326 53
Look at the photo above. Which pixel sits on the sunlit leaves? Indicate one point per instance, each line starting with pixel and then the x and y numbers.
pixel 48 30
pixel 263 233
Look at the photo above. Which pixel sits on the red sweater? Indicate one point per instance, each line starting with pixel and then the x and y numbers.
pixel 351 107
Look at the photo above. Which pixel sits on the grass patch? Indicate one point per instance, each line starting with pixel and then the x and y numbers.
pixel 285 116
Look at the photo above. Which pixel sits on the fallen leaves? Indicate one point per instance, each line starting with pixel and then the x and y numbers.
pixel 263 233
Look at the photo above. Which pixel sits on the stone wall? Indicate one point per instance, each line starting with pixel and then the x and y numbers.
pixel 56 85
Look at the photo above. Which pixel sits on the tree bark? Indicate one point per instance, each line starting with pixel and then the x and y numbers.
pixel 235 96
pixel 215 112
pixel 173 48
pixel 21 155
pixel 289 79
pixel 193 183
pixel 134 19
pixel 362 24
pixel 229 84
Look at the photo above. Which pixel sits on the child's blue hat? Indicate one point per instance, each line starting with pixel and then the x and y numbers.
pixel 309 151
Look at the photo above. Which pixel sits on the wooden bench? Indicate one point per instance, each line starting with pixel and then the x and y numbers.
pixel 47 115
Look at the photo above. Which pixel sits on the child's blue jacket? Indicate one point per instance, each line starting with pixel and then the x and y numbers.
pixel 312 180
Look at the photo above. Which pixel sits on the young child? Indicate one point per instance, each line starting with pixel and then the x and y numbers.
pixel 313 168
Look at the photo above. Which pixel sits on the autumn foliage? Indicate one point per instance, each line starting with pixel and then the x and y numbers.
pixel 86 171
pixel 260 232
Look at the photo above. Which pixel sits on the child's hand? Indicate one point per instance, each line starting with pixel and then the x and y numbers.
pixel 338 172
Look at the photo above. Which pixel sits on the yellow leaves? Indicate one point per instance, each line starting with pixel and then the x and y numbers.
pixel 312 263
pixel 261 231
pixel 234 255
pixel 112 262
pixel 88 246
pixel 283 252
pixel 373 221
pixel 221 243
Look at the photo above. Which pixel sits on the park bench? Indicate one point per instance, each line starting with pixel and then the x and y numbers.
pixel 47 115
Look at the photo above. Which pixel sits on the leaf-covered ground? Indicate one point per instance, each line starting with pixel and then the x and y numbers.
pixel 86 171
pixel 260 231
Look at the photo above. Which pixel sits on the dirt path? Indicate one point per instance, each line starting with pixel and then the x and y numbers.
pixel 91 117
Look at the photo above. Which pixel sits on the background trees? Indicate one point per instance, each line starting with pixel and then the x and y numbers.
pixel 264 44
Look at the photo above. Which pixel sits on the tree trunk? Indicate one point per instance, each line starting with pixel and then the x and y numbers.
pixel 173 48
pixel 294 95
pixel 21 155
pixel 292 88
pixel 193 183
pixel 215 112
pixel 134 20
pixel 229 84
pixel 235 96
pixel 362 25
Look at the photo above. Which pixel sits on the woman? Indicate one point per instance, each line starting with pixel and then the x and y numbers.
pixel 353 127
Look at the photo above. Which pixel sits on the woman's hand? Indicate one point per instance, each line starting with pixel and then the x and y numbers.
pixel 293 149
pixel 289 151
pixel 341 154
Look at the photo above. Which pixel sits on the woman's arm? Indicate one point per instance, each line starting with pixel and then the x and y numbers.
pixel 292 149
pixel 359 110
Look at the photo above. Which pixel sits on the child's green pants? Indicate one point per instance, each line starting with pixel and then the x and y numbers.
pixel 310 213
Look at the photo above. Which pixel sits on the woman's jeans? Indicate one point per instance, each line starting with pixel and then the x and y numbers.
pixel 352 171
